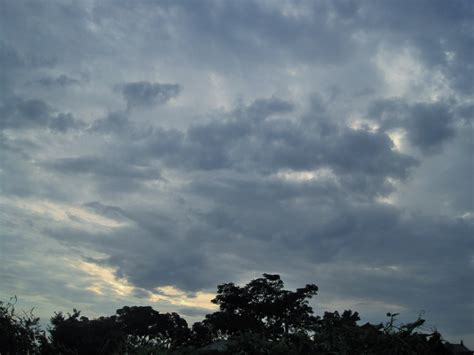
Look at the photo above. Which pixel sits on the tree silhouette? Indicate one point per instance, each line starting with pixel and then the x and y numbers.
pixel 262 306
pixel 146 327
pixel 19 334
pixel 260 317
pixel 75 334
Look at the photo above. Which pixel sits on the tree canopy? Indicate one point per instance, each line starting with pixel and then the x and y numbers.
pixel 261 317
pixel 262 306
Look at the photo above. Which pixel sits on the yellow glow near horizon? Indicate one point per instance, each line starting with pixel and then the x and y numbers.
pixel 175 296
pixel 104 281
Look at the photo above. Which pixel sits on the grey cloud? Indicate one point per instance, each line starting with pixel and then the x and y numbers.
pixel 17 113
pixel 141 293
pixel 443 184
pixel 63 39
pixel 114 122
pixel 441 32
pixel 428 125
pixel 113 212
pixel 159 259
pixel 13 59
pixel 107 176
pixel 20 176
pixel 231 35
pixel 193 311
pixel 466 112
pixel 146 94
pixel 255 138
pixel 173 265
pixel 241 28
pixel 363 244
pixel 225 212
pixel 402 243
pixel 39 286
pixel 263 108
pixel 291 218
pixel 63 122
pixel 369 235
pixel 61 81
pixel 16 173
pixel 250 142
pixel 241 40
pixel 9 57
pixel 102 167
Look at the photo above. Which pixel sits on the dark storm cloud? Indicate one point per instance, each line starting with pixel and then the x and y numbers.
pixel 428 125
pixel 63 122
pixel 17 113
pixel 399 265
pixel 253 140
pixel 12 58
pixel 381 252
pixel 250 141
pixel 113 212
pixel 61 81
pixel 263 108
pixel 441 30
pixel 233 33
pixel 319 215
pixel 204 194
pixel 9 57
pixel 146 94
pixel 14 64
pixel 110 176
pixel 160 258
pixel 51 33
pixel 97 166
pixel 444 181
pixel 374 251
pixel 114 122
pixel 466 113
pixel 16 177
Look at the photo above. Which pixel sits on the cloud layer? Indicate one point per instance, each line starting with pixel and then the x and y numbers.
pixel 152 150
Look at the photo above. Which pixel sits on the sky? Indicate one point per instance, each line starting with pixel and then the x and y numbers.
pixel 151 150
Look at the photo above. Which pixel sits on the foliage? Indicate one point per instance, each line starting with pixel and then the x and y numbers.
pixel 132 329
pixel 19 334
pixel 146 327
pixel 262 306
pixel 258 318
pixel 75 334
pixel 342 335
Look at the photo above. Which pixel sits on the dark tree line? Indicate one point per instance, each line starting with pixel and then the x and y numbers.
pixel 258 318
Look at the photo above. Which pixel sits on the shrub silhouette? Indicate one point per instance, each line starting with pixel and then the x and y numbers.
pixel 262 306
pixel 258 318
pixel 19 334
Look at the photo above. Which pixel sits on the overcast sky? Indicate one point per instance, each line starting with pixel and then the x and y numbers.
pixel 151 150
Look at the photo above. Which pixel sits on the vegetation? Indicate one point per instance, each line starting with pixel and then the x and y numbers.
pixel 258 318
pixel 19 334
